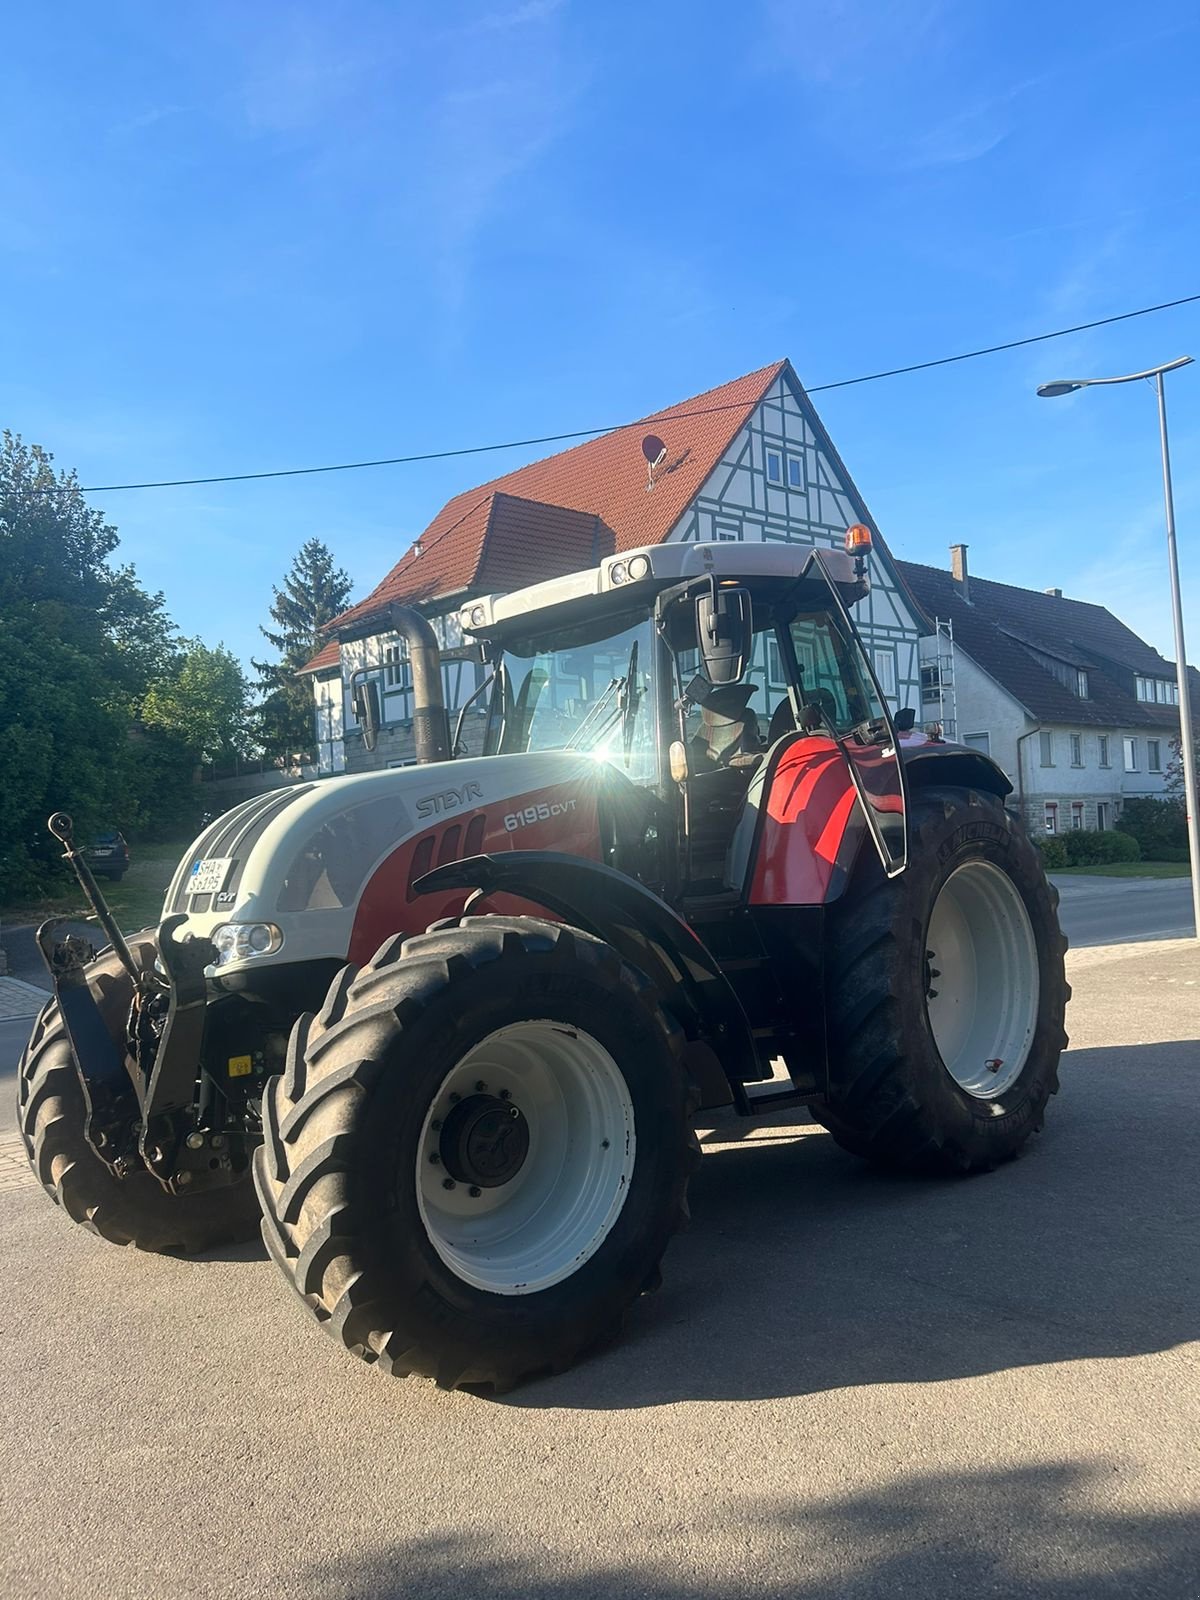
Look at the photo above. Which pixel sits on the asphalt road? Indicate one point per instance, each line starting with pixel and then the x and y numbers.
pixel 1095 911
pixel 849 1385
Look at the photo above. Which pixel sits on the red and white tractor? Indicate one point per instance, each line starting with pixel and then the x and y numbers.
pixel 443 1031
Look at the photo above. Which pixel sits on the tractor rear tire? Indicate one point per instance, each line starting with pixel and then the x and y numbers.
pixel 51 1114
pixel 946 994
pixel 479 1151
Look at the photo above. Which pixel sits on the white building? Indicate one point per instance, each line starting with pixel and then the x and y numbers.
pixel 748 461
pixel 1076 708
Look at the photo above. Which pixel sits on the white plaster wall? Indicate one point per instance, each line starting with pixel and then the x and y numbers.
pixel 330 720
pixel 982 706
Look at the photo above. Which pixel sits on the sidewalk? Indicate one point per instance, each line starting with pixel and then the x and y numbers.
pixel 19 999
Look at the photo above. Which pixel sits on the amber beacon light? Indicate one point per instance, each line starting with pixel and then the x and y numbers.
pixel 858 539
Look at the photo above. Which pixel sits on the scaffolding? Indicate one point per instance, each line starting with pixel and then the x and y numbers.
pixel 938 703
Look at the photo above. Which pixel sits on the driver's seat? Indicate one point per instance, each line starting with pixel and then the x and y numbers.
pixel 729 734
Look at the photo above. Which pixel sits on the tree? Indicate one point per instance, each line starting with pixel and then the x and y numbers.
pixel 1173 779
pixel 80 641
pixel 313 593
pixel 203 703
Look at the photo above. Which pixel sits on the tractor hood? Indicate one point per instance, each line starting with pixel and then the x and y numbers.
pixel 298 864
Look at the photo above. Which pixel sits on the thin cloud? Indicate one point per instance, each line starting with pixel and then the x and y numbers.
pixel 519 16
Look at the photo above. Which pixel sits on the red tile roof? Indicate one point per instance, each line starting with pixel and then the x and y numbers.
pixel 568 510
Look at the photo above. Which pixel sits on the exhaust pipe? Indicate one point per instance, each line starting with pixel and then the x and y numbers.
pixel 431 726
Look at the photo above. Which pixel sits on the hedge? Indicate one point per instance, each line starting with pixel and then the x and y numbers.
pixel 1082 849
pixel 1159 826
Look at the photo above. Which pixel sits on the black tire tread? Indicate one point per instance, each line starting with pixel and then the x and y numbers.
pixel 873 1110
pixel 302 1171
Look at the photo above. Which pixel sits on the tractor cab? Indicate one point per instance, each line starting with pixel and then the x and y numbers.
pixel 702 679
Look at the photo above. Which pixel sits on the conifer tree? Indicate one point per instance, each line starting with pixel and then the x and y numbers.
pixel 313 593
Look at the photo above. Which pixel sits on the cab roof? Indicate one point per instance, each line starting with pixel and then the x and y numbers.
pixel 630 581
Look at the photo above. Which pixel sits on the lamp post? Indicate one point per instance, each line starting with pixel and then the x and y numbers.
pixel 1187 748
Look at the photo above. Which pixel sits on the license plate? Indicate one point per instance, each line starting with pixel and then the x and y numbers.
pixel 209 876
pixel 105 850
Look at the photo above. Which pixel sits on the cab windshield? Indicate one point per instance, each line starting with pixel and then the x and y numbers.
pixel 594 696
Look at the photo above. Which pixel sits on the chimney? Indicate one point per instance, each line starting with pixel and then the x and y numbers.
pixel 958 566
pixel 1055 594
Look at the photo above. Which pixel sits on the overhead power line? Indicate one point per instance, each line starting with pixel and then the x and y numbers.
pixel 669 416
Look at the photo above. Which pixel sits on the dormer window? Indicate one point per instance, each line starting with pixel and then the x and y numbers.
pixel 1158 691
pixel 1081 683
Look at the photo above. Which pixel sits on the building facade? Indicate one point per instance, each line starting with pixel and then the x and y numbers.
pixel 749 461
pixel 1077 710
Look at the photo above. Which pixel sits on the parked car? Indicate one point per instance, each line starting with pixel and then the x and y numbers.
pixel 109 856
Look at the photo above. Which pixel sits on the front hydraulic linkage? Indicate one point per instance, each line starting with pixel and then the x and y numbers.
pixel 140 1098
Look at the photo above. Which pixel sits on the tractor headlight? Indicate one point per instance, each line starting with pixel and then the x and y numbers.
pixel 618 572
pixel 477 616
pixel 639 567
pixel 242 941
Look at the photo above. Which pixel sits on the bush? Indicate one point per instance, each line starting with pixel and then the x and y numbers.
pixel 1053 850
pixel 1157 825
pixel 1099 849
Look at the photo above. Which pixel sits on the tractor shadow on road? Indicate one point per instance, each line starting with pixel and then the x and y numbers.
pixel 805 1270
pixel 1049 1530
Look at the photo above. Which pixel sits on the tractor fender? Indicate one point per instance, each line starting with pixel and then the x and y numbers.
pixel 645 931
pixel 955 765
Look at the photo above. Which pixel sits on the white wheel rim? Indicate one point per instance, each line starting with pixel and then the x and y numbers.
pixel 530 1227
pixel 981 976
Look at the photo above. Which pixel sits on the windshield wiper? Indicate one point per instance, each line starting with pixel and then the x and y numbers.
pixel 575 742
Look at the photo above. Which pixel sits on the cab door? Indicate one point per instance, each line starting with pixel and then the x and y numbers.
pixel 838 696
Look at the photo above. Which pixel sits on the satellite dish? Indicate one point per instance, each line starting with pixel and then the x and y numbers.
pixel 654 450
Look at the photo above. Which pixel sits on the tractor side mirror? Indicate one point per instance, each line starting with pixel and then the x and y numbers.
pixel 364 699
pixel 904 720
pixel 724 632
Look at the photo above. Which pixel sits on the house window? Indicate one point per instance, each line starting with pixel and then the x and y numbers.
pixel 393 667
pixel 1076 749
pixel 1076 815
pixel 1102 817
pixel 979 741
pixel 795 473
pixel 1130 754
pixel 1081 683
pixel 1153 755
pixel 729 534
pixel 1051 816
pixel 1104 761
pixel 774 466
pixel 885 671
pixel 1046 747
pixel 1158 690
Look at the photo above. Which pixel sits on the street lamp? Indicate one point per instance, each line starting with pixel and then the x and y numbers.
pixel 1187 749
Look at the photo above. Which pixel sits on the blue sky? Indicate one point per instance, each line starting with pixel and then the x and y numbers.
pixel 240 237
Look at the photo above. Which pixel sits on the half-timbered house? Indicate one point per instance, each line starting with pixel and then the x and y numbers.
pixel 750 460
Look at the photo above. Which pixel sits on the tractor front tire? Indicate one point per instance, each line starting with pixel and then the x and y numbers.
pixel 479 1151
pixel 946 994
pixel 51 1115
